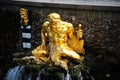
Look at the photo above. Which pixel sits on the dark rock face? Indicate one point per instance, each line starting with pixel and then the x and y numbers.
pixel 101 35
pixel 9 36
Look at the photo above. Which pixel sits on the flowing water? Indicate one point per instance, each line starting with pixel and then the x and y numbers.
pixel 80 77
pixel 67 77
pixel 39 76
pixel 17 73
pixel 25 73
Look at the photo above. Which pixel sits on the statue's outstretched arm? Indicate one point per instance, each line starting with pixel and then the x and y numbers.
pixel 41 51
pixel 43 37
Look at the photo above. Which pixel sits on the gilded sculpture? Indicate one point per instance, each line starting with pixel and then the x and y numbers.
pixel 24 16
pixel 63 45
pixel 77 42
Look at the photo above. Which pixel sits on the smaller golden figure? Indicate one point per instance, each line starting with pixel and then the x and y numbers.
pixel 24 16
pixel 60 35
pixel 77 41
pixel 79 32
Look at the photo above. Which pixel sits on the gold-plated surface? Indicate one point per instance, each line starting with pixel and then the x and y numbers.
pixel 24 16
pixel 77 43
pixel 63 45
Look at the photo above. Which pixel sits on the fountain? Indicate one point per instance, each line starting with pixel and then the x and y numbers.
pixel 18 73
pixel 100 25
pixel 59 57
pixel 25 72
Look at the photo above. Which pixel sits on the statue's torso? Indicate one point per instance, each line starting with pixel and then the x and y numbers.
pixel 58 34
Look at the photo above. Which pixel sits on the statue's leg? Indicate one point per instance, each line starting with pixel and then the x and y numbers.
pixel 44 59
pixel 56 58
pixel 71 54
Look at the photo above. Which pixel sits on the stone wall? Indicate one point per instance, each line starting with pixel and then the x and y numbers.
pixel 101 28
pixel 9 36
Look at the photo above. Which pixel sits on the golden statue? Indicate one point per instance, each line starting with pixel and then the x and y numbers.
pixel 60 35
pixel 24 16
pixel 77 43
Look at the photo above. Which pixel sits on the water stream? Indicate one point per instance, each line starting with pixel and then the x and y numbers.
pixel 17 73
pixel 24 73
pixel 67 77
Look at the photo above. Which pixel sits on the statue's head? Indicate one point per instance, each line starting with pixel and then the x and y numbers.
pixel 79 26
pixel 24 16
pixel 54 17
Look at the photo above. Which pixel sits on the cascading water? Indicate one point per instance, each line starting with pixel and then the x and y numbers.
pixel 39 76
pixel 64 77
pixel 67 77
pixel 80 77
pixel 17 73
pixel 46 73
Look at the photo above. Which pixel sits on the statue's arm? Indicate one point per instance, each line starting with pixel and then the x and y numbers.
pixel 43 37
pixel 44 33
pixel 37 52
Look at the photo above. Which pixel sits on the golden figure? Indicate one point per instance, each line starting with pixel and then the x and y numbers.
pixel 60 34
pixel 77 43
pixel 79 32
pixel 24 16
